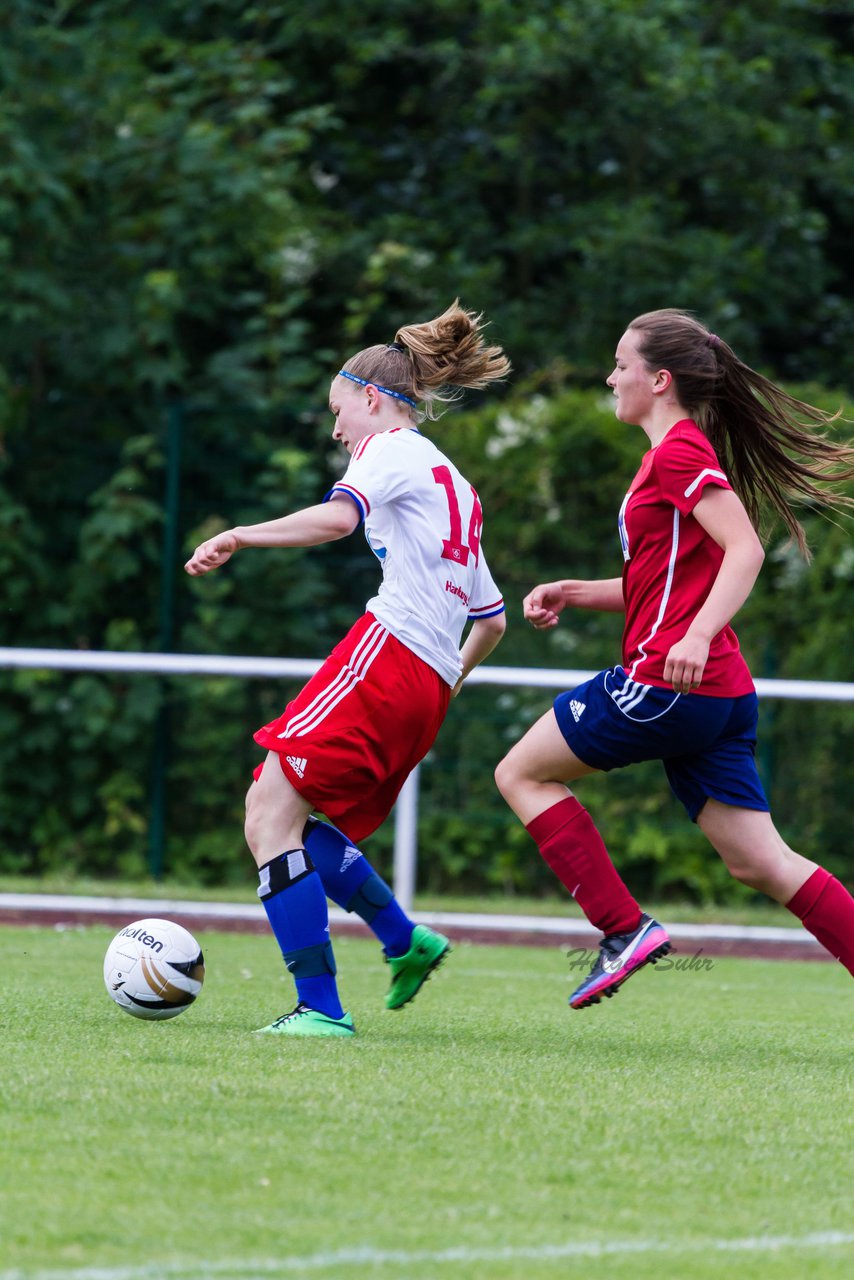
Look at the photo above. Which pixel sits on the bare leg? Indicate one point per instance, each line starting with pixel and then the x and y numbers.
pixel 754 851
pixel 275 813
pixel 533 775
pixel 756 854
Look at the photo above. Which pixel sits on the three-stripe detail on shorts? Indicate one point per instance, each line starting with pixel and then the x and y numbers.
pixel 343 683
pixel 632 695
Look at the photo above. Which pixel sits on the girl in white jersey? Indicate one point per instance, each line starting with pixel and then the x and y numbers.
pixel 724 442
pixel 349 740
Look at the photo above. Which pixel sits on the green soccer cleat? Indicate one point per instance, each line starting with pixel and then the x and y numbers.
pixel 303 1021
pixel 409 972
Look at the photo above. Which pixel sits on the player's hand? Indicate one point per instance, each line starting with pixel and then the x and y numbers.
pixel 211 554
pixel 542 606
pixel 685 663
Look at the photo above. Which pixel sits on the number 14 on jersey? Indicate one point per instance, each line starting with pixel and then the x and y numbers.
pixel 453 547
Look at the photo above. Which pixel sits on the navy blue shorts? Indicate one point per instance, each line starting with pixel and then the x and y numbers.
pixel 707 745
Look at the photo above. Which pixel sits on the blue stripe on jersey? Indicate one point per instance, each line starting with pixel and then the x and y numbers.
pixel 487 610
pixel 354 496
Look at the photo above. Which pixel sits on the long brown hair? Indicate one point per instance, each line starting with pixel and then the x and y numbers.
pixel 430 362
pixel 771 445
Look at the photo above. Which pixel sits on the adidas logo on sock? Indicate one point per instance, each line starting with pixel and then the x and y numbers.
pixel 299 764
pixel 577 709
pixel 351 853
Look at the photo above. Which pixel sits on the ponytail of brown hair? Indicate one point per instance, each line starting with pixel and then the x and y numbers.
pixel 771 445
pixel 432 362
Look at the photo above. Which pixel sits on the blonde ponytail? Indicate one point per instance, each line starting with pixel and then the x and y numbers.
pixel 432 362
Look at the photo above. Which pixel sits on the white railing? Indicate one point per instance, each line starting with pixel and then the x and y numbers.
pixel 206 664
pixel 406 809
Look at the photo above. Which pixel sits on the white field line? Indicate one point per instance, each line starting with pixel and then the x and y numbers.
pixel 267 1268
pixel 548 926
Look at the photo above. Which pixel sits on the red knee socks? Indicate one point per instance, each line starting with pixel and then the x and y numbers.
pixel 573 848
pixel 826 908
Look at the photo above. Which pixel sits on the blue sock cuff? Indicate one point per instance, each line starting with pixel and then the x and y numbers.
pixel 371 896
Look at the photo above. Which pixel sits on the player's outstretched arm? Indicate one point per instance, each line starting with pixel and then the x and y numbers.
pixel 544 605
pixel 212 553
pixel 307 528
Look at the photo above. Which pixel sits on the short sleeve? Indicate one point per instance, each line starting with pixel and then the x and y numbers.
pixel 377 474
pixel 486 599
pixel 684 467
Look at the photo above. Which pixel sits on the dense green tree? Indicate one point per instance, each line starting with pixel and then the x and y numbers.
pixel 215 197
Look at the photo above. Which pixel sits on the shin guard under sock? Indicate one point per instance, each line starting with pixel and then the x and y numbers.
pixel 295 902
pixel 573 848
pixel 351 882
pixel 825 907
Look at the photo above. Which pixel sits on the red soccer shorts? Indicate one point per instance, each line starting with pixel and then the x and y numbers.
pixel 350 739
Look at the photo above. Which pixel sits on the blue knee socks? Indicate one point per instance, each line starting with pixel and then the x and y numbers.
pixel 295 902
pixel 351 882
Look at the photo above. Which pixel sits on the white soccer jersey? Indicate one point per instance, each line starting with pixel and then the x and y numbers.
pixel 423 522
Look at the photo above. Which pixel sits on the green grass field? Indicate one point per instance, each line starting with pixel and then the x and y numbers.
pixel 699 1124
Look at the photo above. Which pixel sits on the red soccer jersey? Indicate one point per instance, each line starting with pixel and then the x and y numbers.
pixel 671 563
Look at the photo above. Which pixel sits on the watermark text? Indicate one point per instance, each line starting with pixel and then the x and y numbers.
pixel 582 958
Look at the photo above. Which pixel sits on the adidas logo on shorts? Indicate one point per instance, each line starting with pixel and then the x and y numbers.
pixel 299 764
pixel 577 709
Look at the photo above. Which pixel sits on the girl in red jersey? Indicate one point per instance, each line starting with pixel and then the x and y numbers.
pixel 349 740
pixel 724 443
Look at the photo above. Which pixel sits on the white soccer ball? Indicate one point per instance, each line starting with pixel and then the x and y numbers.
pixel 154 969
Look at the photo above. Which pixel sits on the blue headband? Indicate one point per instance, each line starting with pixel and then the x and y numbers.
pixel 363 382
